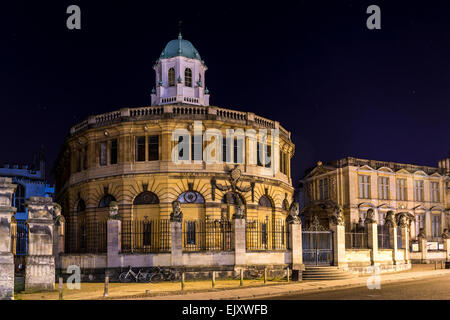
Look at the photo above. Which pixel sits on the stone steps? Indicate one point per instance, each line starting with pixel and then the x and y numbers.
pixel 325 273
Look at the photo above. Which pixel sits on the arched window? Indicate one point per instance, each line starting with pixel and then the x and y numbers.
pixel 81 206
pixel 191 197
pixel 105 201
pixel 230 198
pixel 264 201
pixel 146 197
pixel 188 77
pixel 171 76
pixel 19 198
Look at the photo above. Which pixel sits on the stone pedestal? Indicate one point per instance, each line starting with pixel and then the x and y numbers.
pixel 447 248
pixel 114 227
pixel 176 253
pixel 295 244
pixel 40 262
pixel 238 241
pixel 423 248
pixel 372 241
pixel 6 256
pixel 339 245
pixel 405 242
pixel 58 239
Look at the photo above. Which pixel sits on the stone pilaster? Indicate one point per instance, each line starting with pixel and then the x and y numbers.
pixel 295 244
pixel 176 252
pixel 423 247
pixel 40 262
pixel 447 248
pixel 6 256
pixel 372 237
pixel 238 240
pixel 405 242
pixel 339 245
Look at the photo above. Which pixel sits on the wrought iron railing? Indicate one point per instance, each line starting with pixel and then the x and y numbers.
pixel 210 235
pixel 383 237
pixel 87 237
pixel 266 235
pixel 399 240
pixel 145 236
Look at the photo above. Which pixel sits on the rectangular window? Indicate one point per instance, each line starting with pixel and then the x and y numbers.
pixel 419 223
pixel 268 156
pixel 153 148
pixel 225 153
pixel 401 189
pixel 282 162
pixel 418 190
pixel 435 191
pixel 258 155
pixel 85 158
pixel 103 154
pixel 264 233
pixel 140 148
pixel 383 188
pixel 436 225
pixel 196 148
pixel 238 150
pixel 323 189
pixel 190 233
pixel 364 187
pixel 113 152
pixel 79 157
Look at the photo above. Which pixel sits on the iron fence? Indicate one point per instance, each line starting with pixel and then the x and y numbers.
pixel 356 240
pixel 383 237
pixel 266 235
pixel 399 240
pixel 143 236
pixel 214 235
pixel 87 237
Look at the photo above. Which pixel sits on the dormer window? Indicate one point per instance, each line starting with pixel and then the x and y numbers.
pixel 171 76
pixel 188 77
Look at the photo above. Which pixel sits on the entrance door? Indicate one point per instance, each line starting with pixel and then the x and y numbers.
pixel 317 248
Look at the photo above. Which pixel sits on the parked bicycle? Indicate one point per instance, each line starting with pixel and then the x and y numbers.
pixel 130 275
pixel 253 273
pixel 158 275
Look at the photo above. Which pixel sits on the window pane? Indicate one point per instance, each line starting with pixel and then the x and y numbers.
pixel 153 148
pixel 113 152
pixel 103 152
pixel 140 148
pixel 188 77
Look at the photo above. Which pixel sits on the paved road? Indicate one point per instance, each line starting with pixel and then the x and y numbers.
pixel 425 289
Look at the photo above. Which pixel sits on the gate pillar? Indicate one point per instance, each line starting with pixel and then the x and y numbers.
pixel 40 262
pixel 295 244
pixel 372 241
pixel 339 245
pixel 6 255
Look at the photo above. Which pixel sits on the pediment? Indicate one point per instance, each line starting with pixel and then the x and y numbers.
pixel 420 173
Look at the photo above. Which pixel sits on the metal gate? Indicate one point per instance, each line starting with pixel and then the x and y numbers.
pixel 317 247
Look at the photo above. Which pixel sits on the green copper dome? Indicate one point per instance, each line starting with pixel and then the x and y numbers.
pixel 180 47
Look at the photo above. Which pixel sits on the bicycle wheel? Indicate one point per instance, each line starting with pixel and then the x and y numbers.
pixel 124 277
pixel 157 277
pixel 142 277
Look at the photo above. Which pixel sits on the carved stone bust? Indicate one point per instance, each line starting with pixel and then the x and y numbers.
pixel 239 214
pixel 293 217
pixel 114 210
pixel 370 216
pixel 176 215
pixel 445 234
pixel 390 219
pixel 337 218
pixel 421 233
pixel 403 221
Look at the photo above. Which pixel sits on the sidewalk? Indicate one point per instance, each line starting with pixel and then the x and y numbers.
pixel 300 287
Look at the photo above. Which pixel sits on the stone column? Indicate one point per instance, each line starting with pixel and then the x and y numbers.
pixel 393 242
pixel 114 230
pixel 295 244
pixel 176 218
pixel 238 240
pixel 58 235
pixel 372 241
pixel 423 246
pixel 405 242
pixel 339 245
pixel 6 256
pixel 447 248
pixel 40 263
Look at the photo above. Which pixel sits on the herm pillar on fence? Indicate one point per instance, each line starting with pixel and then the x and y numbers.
pixel 238 238
pixel 337 225
pixel 113 237
pixel 446 239
pixel 392 225
pixel 176 234
pixel 295 242
pixel 58 235
pixel 372 236
pixel 6 255
pixel 422 245
pixel 40 261
pixel 403 228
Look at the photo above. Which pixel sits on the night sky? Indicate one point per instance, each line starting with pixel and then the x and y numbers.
pixel 340 88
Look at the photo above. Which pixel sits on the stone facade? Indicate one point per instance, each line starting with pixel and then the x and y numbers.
pixel 6 255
